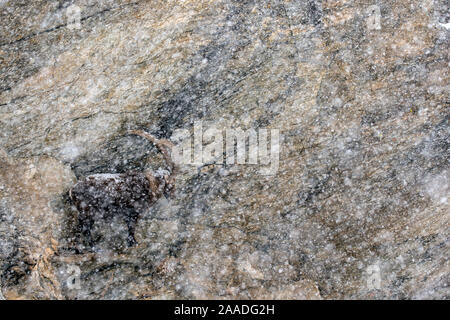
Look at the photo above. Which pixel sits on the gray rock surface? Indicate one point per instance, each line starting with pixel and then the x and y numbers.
pixel 357 209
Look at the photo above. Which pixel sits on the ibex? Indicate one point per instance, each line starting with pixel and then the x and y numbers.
pixel 102 196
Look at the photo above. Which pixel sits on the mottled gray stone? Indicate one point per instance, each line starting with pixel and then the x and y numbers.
pixel 359 205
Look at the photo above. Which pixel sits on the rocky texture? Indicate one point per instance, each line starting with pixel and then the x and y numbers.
pixel 358 208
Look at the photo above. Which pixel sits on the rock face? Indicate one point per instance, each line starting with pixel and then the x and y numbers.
pixel 358 207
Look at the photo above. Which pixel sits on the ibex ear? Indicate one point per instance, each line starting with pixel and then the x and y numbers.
pixel 167 194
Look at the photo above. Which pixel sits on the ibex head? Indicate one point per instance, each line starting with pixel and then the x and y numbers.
pixel 162 180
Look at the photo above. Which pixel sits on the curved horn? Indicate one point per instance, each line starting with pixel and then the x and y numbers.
pixel 163 145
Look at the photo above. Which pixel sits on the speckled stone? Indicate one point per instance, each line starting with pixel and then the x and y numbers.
pixel 357 209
